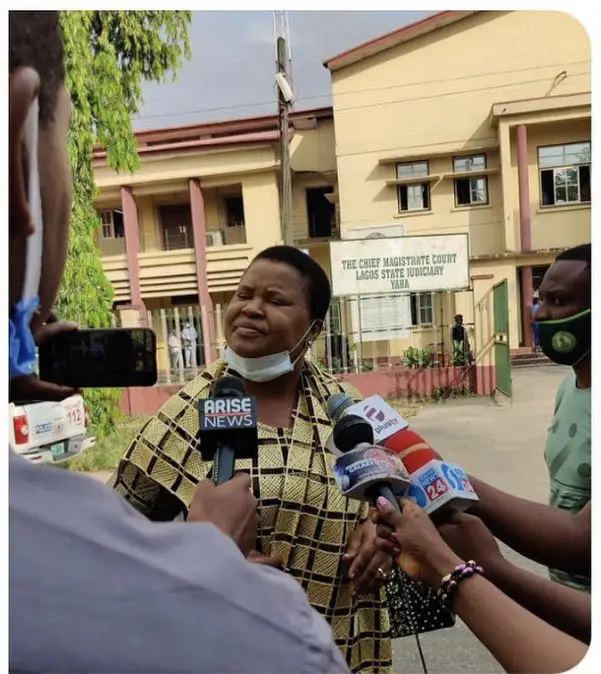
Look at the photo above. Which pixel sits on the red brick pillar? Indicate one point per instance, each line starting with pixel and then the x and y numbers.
pixel 199 222
pixel 132 249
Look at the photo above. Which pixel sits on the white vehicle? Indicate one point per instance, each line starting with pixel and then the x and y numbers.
pixel 48 432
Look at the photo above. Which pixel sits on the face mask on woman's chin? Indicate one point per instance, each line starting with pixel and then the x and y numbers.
pixel 266 368
pixel 21 346
pixel 566 341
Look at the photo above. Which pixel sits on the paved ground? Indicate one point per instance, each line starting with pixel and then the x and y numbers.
pixel 503 445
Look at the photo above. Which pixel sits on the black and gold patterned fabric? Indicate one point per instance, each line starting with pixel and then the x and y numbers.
pixel 304 519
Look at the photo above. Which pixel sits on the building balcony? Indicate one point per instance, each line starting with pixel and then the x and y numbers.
pixel 172 272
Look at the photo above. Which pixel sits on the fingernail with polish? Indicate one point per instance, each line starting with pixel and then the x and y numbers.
pixel 382 501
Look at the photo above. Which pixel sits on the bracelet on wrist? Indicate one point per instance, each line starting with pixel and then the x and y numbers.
pixel 450 582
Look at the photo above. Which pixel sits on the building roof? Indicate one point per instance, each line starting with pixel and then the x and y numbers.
pixel 395 38
pixel 244 130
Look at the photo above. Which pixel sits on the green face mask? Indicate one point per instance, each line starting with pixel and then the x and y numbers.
pixel 568 340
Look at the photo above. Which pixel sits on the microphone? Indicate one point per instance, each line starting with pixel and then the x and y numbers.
pixel 384 419
pixel 365 471
pixel 228 427
pixel 435 484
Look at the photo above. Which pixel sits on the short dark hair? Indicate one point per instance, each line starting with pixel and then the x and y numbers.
pixel 580 253
pixel 318 285
pixel 36 41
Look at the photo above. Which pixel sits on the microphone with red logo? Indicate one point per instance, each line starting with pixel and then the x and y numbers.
pixel 435 484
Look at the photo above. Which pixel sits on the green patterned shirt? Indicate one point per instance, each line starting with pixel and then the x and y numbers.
pixel 568 458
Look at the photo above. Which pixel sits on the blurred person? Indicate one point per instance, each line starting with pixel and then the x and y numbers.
pixel 190 337
pixel 175 351
pixel 462 354
pixel 307 528
pixel 93 585
pixel 520 641
pixel 563 320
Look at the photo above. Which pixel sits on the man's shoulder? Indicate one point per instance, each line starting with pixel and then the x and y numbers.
pixel 118 568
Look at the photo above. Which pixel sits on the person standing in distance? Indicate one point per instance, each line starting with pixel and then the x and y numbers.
pixel 93 585
pixel 563 325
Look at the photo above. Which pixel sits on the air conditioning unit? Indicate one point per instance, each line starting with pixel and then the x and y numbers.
pixel 214 238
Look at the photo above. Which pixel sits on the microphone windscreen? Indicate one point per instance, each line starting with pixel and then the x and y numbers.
pixel 337 404
pixel 229 387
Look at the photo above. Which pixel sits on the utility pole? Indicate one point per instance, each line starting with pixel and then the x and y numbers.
pixel 284 104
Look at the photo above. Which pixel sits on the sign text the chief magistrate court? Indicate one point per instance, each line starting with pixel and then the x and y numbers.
pixel 404 264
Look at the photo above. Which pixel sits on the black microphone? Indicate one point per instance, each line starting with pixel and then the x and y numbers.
pixel 228 427
pixel 366 471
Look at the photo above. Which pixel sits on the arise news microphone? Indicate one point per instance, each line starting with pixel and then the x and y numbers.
pixel 228 427
pixel 365 471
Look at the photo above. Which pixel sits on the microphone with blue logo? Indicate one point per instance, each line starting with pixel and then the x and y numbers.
pixel 365 471
pixel 228 427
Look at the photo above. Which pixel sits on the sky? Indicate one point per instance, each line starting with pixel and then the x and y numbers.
pixel 231 72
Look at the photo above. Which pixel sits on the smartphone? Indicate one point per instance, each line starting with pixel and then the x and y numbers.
pixel 102 358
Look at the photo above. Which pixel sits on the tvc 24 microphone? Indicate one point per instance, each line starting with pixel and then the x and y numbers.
pixel 435 484
pixel 365 471
pixel 228 427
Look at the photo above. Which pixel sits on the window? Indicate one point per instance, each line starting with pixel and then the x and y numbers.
pixel 176 226
pixel 320 212
pixel 414 196
pixel 112 225
pixel 422 311
pixel 565 174
pixel 234 211
pixel 470 191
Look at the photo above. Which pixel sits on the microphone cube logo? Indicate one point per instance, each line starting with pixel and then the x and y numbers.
pixel 385 420
pixel 438 483
pixel 374 415
pixel 227 413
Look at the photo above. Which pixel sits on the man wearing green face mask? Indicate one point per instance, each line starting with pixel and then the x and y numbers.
pixel 563 322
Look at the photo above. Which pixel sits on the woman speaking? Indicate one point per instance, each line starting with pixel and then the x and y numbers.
pixel 307 528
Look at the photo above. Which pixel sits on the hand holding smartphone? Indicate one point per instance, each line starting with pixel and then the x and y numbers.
pixel 100 358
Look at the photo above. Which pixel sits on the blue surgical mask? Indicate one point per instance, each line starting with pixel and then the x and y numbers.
pixel 21 346
pixel 266 368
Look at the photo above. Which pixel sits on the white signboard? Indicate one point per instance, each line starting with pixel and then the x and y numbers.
pixel 407 264
pixel 387 316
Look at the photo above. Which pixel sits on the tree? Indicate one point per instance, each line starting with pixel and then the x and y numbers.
pixel 108 55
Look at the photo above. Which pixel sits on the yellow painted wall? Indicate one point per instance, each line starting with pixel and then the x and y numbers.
pixel 314 149
pixel 434 94
pixel 563 226
pixel 261 211
pixel 178 166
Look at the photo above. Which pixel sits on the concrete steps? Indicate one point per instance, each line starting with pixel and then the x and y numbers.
pixel 528 358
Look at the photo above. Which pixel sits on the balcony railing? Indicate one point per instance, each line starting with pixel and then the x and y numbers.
pixel 226 236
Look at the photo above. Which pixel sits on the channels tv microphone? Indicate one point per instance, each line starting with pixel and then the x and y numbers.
pixel 435 484
pixel 228 427
pixel 365 471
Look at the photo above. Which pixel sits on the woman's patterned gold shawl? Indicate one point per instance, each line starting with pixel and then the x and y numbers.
pixel 305 521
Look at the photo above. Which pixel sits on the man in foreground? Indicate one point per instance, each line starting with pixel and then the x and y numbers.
pixel 93 585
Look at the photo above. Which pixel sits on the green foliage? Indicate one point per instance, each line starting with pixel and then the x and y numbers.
pixel 418 358
pixel 108 55
pixel 108 451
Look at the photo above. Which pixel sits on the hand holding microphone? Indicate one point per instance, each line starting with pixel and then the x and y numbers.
pixel 423 555
pixel 228 431
pixel 231 507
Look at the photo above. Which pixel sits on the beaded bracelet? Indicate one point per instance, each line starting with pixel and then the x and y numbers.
pixel 449 583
